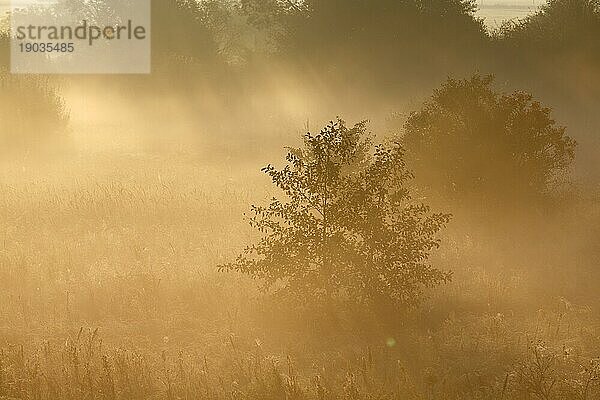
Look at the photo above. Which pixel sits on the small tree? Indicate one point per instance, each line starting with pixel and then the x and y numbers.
pixel 470 139
pixel 347 228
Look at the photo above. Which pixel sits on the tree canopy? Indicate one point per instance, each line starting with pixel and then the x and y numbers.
pixel 347 227
pixel 558 25
pixel 180 28
pixel 469 138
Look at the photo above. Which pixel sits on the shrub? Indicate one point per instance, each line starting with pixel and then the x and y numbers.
pixel 347 228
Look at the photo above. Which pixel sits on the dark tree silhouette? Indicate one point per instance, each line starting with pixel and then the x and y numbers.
pixel 559 25
pixel 333 28
pixel 4 50
pixel 347 228
pixel 180 29
pixel 469 138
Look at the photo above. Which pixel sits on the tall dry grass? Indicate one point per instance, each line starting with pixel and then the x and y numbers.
pixel 109 291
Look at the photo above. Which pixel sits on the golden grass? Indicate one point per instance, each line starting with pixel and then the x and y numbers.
pixel 109 291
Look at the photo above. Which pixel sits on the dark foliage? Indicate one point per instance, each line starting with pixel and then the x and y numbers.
pixel 347 228
pixel 469 138
pixel 180 29
pixel 559 25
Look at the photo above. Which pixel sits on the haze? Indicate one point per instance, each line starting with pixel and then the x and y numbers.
pixel 425 224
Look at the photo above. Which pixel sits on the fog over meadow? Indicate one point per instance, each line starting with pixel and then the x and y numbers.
pixel 318 199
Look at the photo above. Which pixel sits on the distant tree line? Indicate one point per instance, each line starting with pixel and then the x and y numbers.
pixel 390 37
pixel 383 46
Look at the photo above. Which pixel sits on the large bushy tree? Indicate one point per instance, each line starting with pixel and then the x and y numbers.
pixel 471 139
pixel 347 227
